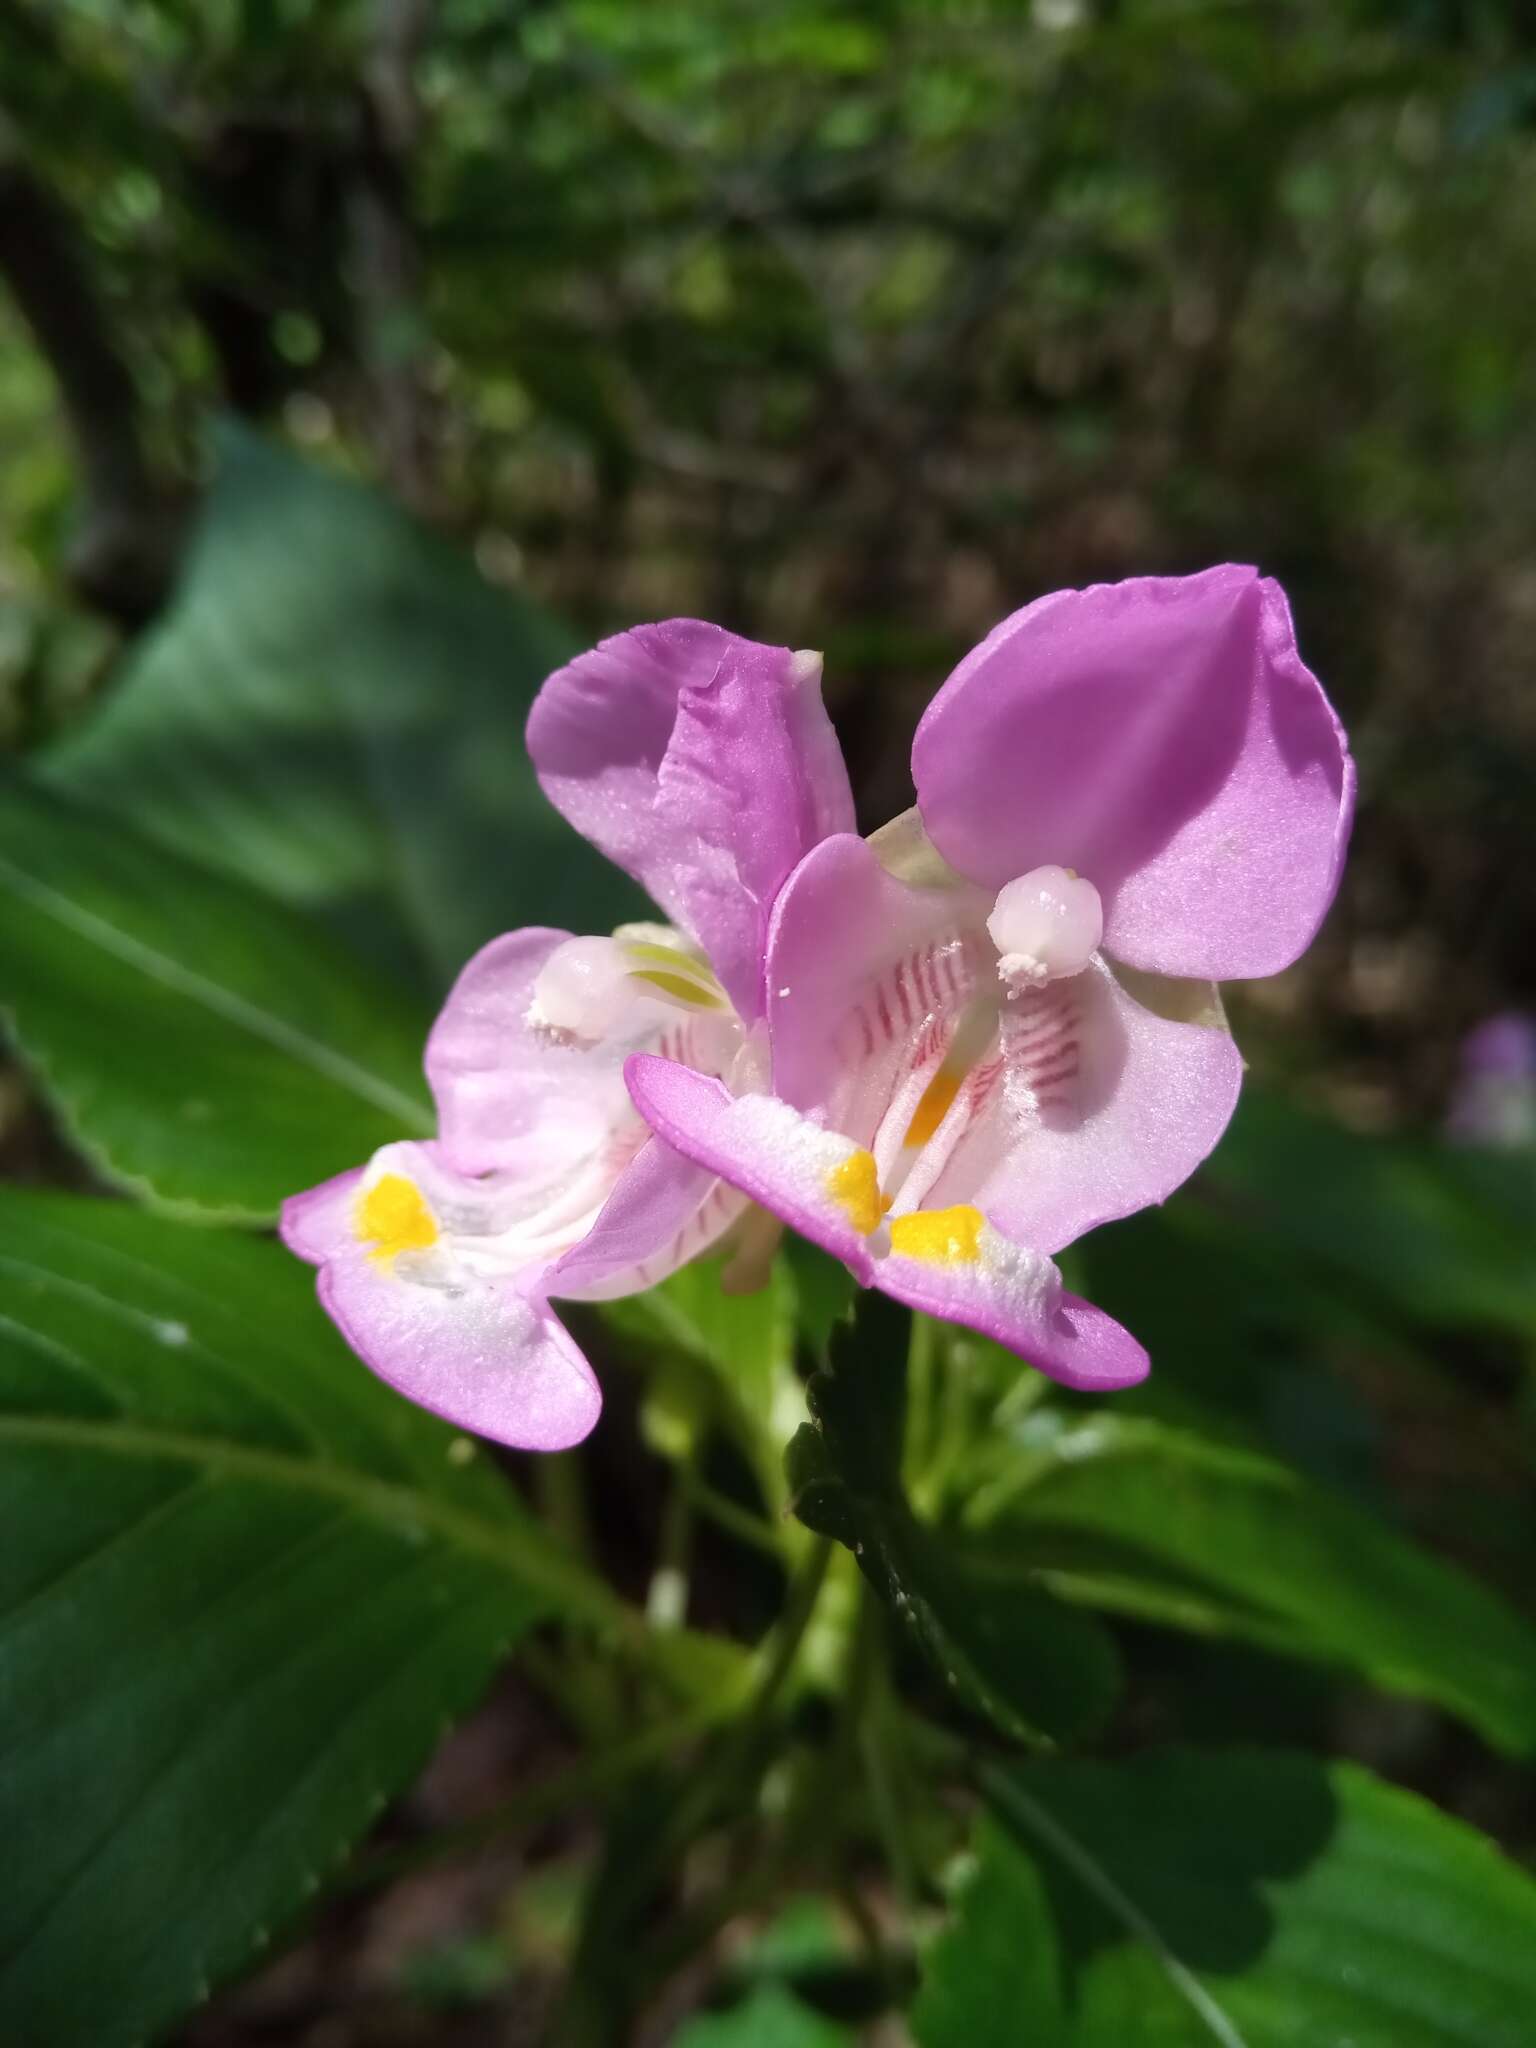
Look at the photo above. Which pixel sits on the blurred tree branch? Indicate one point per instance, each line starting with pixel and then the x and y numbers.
pixel 394 328
pixel 124 555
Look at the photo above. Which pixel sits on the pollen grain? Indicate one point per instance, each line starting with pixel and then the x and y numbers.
pixel 939 1237
pixel 855 1186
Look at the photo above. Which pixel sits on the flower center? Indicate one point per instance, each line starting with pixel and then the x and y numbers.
pixel 590 988
pixel 1046 925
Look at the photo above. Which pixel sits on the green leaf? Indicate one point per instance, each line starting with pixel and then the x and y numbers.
pixel 1252 1900
pixel 243 1590
pixel 771 2017
pixel 1438 1232
pixel 1160 1523
pixel 1006 1648
pixel 204 1046
pixel 333 709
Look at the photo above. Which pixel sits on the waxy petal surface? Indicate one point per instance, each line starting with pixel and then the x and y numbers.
pixel 1162 737
pixel 703 764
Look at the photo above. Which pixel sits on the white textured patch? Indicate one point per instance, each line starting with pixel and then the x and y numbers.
pixel 795 1150
pixel 1013 1288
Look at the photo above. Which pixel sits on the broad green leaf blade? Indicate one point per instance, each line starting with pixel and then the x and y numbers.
pixel 333 709
pixel 243 1589
pixel 205 1047
pixel 1004 1647
pixel 770 2017
pixel 1249 1900
pixel 1438 1232
pixel 1160 1523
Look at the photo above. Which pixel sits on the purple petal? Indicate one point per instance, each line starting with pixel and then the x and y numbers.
pixel 664 1211
pixel 801 1172
pixel 1162 737
pixel 764 1148
pixel 481 1355
pixel 1015 1296
pixel 858 963
pixel 703 764
pixel 1105 1106
pixel 508 1099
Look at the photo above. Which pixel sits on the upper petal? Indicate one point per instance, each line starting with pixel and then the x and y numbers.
pixel 705 765
pixel 1163 737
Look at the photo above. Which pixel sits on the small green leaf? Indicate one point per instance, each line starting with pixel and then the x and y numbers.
pixel 1006 1648
pixel 333 710
pixel 1156 1522
pixel 244 1588
pixel 748 1340
pixel 1250 1900
pixel 204 1046
pixel 718 1358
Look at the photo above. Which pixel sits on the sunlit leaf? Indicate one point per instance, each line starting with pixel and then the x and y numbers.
pixel 243 1590
pixel 333 709
pixel 203 1045
pixel 1251 1900
pixel 1160 1523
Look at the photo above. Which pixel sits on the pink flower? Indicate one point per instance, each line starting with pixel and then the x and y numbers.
pixel 995 1025
pixel 705 766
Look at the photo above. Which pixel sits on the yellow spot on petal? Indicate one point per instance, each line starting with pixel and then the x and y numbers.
pixel 940 1237
pixel 394 1217
pixel 855 1185
pixel 934 1107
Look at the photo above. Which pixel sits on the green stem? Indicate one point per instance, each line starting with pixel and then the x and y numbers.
pixel 610 1963
pixel 666 1599
pixel 694 1810
pixel 872 1733
pixel 922 1394
pixel 729 1515
pixel 562 1498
